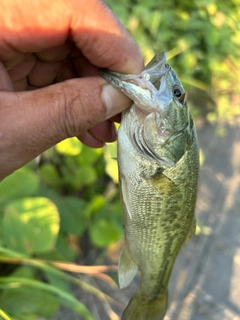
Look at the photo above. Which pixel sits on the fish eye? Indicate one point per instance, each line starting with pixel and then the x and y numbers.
pixel 178 93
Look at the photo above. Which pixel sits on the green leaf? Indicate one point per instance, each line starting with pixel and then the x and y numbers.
pixel 86 175
pixel 23 272
pixel 30 225
pixel 78 176
pixel 26 301
pixel 14 301
pixel 22 183
pixel 58 281
pixel 73 215
pixel 18 288
pixel 64 250
pixel 46 267
pixel 4 315
pixel 50 175
pixel 97 203
pixel 103 232
pixel 89 155
pixel 6 252
pixel 69 147
pixel 110 156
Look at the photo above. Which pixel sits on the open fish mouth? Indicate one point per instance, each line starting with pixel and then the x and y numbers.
pixel 142 88
pixel 152 73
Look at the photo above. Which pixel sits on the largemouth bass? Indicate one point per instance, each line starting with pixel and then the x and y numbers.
pixel 158 170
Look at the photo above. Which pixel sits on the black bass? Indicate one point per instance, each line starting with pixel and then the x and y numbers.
pixel 158 170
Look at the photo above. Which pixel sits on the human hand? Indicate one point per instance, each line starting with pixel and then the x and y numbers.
pixel 57 48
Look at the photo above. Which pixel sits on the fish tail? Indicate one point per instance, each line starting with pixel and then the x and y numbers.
pixel 141 309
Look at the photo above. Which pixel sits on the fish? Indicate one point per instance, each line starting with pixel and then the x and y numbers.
pixel 158 161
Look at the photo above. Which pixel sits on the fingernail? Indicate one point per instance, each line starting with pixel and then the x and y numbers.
pixel 114 100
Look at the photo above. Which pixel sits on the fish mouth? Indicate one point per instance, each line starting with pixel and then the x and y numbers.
pixel 143 89
pixel 152 74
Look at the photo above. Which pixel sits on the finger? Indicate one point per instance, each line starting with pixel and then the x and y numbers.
pixel 57 53
pixel 93 28
pixel 90 141
pixel 103 39
pixel 60 111
pixel 104 131
pixel 20 68
pixel 20 85
pixel 97 136
pixel 83 67
pixel 17 69
pixel 46 73
pixel 30 70
pixel 5 81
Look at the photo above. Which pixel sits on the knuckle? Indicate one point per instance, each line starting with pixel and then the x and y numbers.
pixel 80 110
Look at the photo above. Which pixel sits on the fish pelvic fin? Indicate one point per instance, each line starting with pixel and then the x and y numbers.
pixel 127 268
pixel 141 309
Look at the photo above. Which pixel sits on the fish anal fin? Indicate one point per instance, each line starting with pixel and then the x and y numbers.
pixel 127 268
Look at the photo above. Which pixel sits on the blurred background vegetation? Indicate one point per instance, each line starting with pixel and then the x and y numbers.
pixel 64 206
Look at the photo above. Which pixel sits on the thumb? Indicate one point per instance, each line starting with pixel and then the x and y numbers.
pixel 33 121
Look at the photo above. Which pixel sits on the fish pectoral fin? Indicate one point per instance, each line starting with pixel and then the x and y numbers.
pixel 162 183
pixel 127 268
pixel 126 196
pixel 169 179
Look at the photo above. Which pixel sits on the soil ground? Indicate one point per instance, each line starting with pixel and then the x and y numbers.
pixel 205 283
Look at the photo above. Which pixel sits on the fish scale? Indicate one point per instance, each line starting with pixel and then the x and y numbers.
pixel 158 171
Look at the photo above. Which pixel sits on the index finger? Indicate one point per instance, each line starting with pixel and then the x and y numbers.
pixel 37 26
pixel 103 39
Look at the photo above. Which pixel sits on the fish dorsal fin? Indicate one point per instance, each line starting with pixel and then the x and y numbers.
pixel 127 268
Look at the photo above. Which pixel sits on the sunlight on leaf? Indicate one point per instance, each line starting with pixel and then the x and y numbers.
pixel 30 225
pixel 4 315
pixel 110 156
pixel 22 183
pixel 70 147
